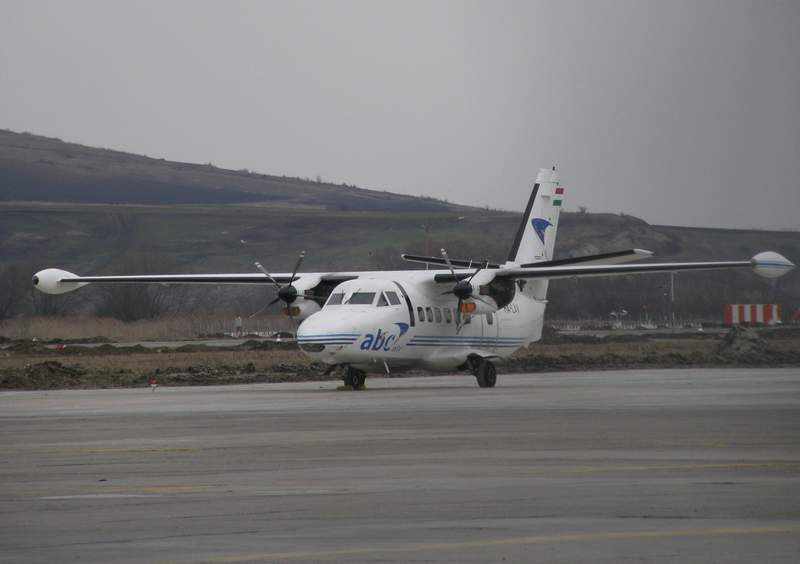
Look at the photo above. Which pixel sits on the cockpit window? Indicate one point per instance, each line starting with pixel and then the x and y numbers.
pixel 335 299
pixel 393 299
pixel 382 301
pixel 361 298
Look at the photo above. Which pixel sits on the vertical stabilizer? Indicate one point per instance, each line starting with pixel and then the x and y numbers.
pixel 536 236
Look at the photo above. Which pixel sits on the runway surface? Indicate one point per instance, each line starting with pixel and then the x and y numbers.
pixel 656 466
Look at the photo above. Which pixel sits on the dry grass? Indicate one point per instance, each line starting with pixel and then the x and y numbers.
pixel 654 346
pixel 149 362
pixel 172 328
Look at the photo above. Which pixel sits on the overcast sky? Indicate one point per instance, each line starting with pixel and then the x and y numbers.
pixel 680 112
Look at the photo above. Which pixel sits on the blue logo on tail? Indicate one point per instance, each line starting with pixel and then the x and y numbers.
pixel 540 225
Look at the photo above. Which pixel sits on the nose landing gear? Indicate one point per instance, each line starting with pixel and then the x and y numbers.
pixel 354 378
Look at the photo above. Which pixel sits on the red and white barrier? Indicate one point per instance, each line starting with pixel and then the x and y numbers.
pixel 752 313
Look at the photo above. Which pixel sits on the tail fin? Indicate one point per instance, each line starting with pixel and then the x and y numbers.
pixel 536 236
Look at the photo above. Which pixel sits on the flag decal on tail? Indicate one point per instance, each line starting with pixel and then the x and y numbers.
pixel 540 225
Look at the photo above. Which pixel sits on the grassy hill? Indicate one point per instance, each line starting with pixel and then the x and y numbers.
pixel 97 210
pixel 43 169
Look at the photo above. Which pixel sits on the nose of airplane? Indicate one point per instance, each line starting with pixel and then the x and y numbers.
pixel 325 329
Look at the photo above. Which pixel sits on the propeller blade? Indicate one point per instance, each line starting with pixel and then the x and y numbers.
pixel 458 316
pixel 273 302
pixel 447 260
pixel 483 265
pixel 300 258
pixel 267 274
pixel 292 321
pixel 259 311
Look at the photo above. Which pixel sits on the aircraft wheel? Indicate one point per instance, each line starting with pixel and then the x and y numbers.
pixel 486 374
pixel 354 378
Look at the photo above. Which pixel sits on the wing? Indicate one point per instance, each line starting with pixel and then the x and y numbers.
pixel 55 281
pixel 767 264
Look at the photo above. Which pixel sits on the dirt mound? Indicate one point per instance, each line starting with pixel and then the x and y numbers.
pixel 26 347
pixel 552 336
pixel 742 343
pixel 253 345
pixel 82 341
pixel 47 375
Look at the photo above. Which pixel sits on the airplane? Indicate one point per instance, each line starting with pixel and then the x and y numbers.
pixel 460 315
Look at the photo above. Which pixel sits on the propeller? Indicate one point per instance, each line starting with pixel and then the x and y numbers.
pixel 463 289
pixel 286 293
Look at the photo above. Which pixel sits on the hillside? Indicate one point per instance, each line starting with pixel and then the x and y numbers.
pixel 43 169
pixel 342 228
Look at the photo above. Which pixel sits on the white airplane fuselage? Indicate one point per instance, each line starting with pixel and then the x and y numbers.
pixel 420 331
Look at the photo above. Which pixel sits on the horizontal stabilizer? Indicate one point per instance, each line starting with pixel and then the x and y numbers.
pixel 439 261
pixel 617 257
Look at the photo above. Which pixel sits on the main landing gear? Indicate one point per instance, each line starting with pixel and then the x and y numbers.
pixel 484 371
pixel 354 378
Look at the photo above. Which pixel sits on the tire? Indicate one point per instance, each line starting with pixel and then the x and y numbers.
pixel 486 374
pixel 354 378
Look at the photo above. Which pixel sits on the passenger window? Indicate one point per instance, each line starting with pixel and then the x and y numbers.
pixel 448 316
pixel 420 313
pixel 438 313
pixel 335 299
pixel 393 299
pixel 490 319
pixel 429 314
pixel 382 301
pixel 362 298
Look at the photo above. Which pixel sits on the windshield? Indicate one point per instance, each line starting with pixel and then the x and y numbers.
pixel 335 299
pixel 361 298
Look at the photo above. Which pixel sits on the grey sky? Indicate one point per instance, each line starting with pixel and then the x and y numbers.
pixel 681 112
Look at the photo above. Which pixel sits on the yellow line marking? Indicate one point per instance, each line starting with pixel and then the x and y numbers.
pixel 536 539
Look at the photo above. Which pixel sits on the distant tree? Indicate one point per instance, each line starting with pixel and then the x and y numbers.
pixel 582 209
pixel 18 296
pixel 49 305
pixel 131 302
pixel 15 282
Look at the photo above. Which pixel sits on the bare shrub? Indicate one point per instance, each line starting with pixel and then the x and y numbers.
pixel 14 285
pixel 132 302
pixel 169 328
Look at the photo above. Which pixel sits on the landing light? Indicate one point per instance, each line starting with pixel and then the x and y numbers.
pixel 468 307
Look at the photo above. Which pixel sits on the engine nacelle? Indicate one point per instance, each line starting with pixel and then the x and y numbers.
pixel 49 281
pixel 478 307
pixel 301 308
pixel 306 283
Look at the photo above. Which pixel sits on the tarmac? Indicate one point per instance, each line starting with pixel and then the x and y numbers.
pixel 699 465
